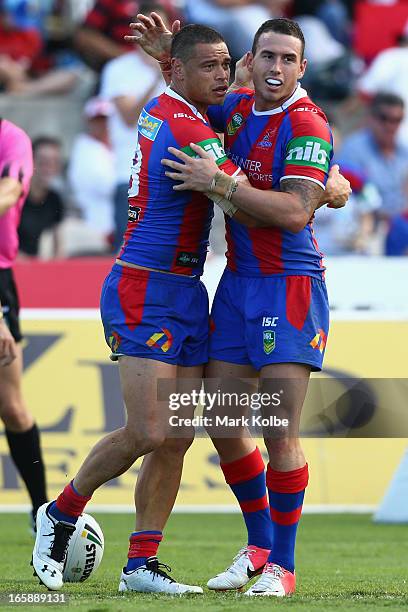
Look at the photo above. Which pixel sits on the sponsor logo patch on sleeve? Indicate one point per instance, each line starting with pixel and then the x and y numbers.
pixel 309 151
pixel 148 126
pixel 212 146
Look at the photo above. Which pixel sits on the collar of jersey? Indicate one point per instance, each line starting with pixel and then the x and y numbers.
pixel 297 95
pixel 173 94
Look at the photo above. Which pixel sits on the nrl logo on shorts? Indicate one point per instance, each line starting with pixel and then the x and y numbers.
pixel 235 123
pixel 268 342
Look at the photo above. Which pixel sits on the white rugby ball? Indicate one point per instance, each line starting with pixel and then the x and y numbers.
pixel 85 550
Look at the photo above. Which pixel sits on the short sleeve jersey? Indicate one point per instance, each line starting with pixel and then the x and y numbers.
pixel 16 161
pixel 168 230
pixel 292 141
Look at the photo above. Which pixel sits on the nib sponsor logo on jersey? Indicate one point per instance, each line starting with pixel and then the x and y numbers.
pixel 161 340
pixel 269 336
pixel 148 126
pixel 319 341
pixel 236 122
pixel 212 146
pixel 309 151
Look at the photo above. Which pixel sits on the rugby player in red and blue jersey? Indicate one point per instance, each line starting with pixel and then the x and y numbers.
pixel 156 322
pixel 270 313
pixel 155 314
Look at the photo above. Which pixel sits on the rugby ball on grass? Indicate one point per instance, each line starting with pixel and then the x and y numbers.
pixel 85 550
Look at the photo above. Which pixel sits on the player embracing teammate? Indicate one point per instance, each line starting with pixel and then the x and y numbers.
pixel 154 307
pixel 271 302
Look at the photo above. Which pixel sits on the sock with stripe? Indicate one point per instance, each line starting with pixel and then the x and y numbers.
pixel 286 493
pixel 69 505
pixel 246 478
pixel 142 545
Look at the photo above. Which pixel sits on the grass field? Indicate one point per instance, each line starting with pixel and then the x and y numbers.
pixel 344 562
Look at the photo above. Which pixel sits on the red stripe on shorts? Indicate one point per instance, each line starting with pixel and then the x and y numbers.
pixel 132 294
pixel 298 297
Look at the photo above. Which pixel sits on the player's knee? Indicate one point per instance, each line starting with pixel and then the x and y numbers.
pixel 280 446
pixel 180 444
pixel 144 439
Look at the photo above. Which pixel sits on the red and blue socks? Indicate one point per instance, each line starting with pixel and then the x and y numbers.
pixel 246 478
pixel 142 545
pixel 69 505
pixel 286 493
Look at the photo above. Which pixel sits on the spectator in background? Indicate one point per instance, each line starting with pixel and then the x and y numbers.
pixel 28 64
pixel 236 20
pixel 91 173
pixel 129 81
pixel 44 207
pixel 396 243
pixel 389 72
pixel 100 37
pixel 333 13
pixel 329 73
pixel 375 153
pixel 352 231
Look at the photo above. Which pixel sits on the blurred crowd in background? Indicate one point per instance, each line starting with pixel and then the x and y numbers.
pixel 68 77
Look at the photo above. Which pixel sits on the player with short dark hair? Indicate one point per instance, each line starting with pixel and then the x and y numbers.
pixel 272 293
pixel 280 26
pixel 155 314
pixel 184 41
pixel 22 434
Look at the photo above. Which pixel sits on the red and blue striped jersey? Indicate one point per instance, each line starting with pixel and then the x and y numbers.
pixel 292 141
pixel 168 230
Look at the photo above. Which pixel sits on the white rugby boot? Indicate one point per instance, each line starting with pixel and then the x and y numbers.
pixel 275 581
pixel 152 578
pixel 249 562
pixel 50 548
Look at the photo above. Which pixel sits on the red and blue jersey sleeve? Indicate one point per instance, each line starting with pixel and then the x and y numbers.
pixel 201 134
pixel 167 229
pixel 221 115
pixel 308 148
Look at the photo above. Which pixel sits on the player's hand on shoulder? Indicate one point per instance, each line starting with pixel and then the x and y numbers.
pixel 195 173
pixel 7 345
pixel 338 189
pixel 153 36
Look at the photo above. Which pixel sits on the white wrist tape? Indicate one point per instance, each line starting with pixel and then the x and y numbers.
pixel 226 206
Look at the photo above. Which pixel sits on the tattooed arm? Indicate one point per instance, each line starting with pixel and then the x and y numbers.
pixel 289 209
pixel 308 192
